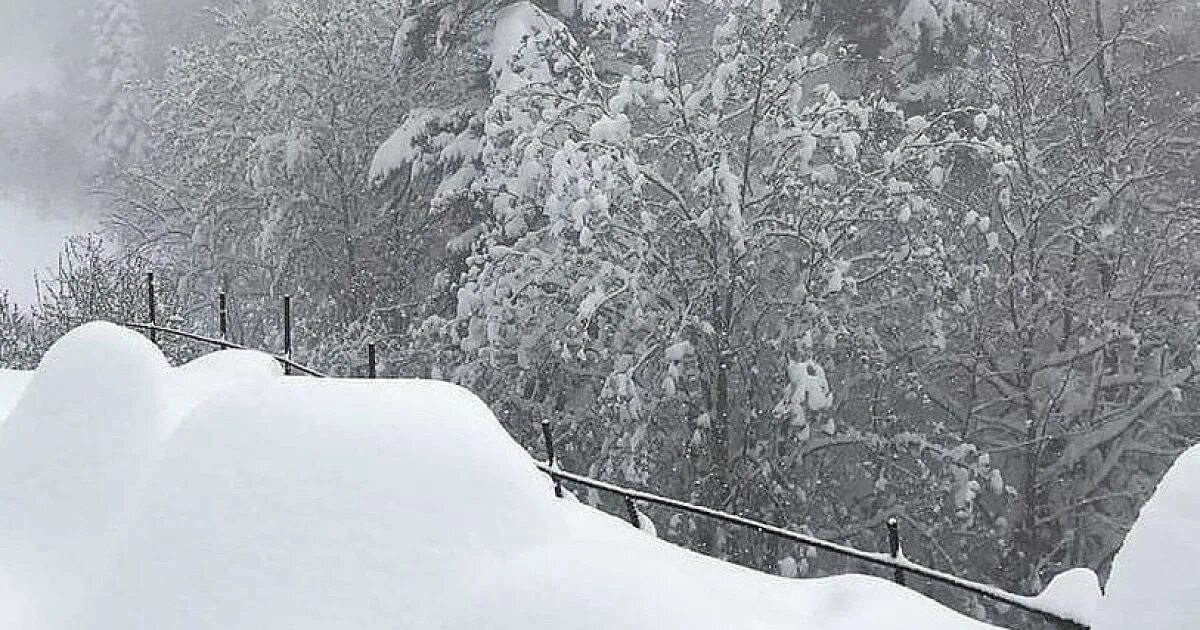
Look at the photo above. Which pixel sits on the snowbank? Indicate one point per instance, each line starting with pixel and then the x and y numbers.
pixel 223 495
pixel 1072 594
pixel 12 385
pixel 326 504
pixel 73 452
pixel 600 573
pixel 1155 578
pixel 204 378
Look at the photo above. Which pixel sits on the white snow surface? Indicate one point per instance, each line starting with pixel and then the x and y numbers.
pixel 12 385
pixel 74 451
pixel 1155 578
pixel 1072 594
pixel 224 495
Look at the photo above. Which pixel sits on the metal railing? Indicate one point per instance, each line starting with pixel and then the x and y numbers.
pixel 152 329
pixel 894 560
pixel 224 345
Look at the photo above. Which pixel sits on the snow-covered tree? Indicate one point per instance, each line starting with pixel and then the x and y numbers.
pixel 1064 344
pixel 672 251
pixel 696 236
pixel 257 181
pixel 18 348
pixel 117 63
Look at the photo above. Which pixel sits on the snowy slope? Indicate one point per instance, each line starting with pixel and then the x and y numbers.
pixel 1155 579
pixel 12 384
pixel 223 495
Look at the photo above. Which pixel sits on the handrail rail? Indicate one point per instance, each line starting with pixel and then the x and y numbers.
pixel 879 559
pixel 226 345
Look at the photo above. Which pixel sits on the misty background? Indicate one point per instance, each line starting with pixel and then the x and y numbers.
pixel 48 160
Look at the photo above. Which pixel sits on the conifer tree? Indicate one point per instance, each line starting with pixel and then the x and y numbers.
pixel 117 63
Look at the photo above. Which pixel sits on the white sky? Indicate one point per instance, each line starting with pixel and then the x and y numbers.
pixel 23 72
pixel 30 241
pixel 25 44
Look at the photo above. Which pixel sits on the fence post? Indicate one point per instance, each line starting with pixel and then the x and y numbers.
pixel 223 316
pixel 631 508
pixel 151 306
pixel 893 527
pixel 370 360
pixel 287 331
pixel 548 438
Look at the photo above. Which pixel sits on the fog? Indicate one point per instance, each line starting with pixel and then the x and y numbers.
pixel 30 243
pixel 42 184
pixel 22 71
pixel 47 163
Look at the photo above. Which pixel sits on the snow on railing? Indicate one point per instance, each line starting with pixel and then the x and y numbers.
pixel 893 560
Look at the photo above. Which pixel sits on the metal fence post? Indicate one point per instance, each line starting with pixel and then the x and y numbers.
pixel 223 316
pixel 287 331
pixel 548 438
pixel 631 509
pixel 893 527
pixel 151 306
pixel 370 360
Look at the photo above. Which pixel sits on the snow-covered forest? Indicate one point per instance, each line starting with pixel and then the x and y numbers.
pixel 818 262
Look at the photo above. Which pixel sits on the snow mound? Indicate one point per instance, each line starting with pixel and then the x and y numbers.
pixel 1072 594
pixel 600 573
pixel 1155 579
pixel 207 376
pixel 73 452
pixel 224 495
pixel 12 385
pixel 323 504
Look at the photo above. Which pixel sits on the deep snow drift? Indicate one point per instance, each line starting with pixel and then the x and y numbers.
pixel 73 451
pixel 1155 579
pixel 1073 594
pixel 224 495
pixel 12 384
